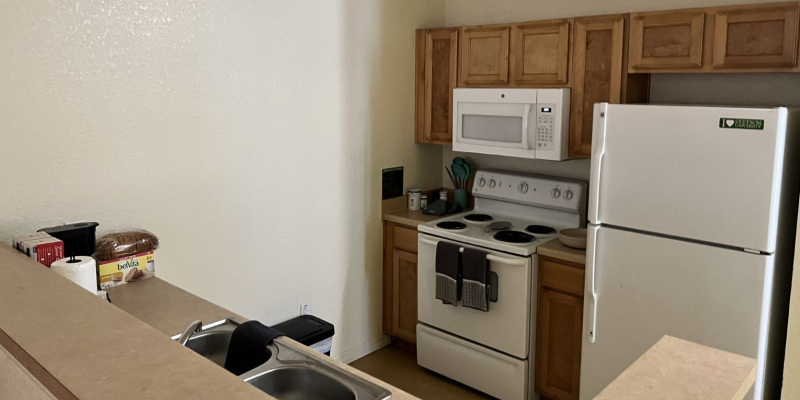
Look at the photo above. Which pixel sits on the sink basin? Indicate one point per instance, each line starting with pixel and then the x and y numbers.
pixel 289 374
pixel 212 341
pixel 290 383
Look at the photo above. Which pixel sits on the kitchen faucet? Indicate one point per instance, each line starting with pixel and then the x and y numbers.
pixel 194 327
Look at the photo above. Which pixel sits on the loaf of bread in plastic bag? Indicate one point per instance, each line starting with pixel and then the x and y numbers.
pixel 124 244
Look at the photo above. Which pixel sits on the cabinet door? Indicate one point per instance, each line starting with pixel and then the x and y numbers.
pixel 756 37
pixel 666 40
pixel 437 76
pixel 558 345
pixel 404 303
pixel 540 52
pixel 598 57
pixel 484 55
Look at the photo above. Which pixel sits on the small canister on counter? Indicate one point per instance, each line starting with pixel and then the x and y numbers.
pixel 423 201
pixel 414 197
pixel 443 195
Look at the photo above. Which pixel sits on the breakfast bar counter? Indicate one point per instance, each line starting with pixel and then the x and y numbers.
pixel 58 341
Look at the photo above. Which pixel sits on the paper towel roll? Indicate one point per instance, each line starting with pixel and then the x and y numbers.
pixel 82 270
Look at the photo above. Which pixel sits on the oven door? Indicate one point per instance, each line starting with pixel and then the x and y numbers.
pixel 506 326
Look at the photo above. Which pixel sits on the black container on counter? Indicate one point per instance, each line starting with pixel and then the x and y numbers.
pixel 310 331
pixel 78 238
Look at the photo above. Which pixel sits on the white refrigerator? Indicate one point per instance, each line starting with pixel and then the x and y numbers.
pixel 692 214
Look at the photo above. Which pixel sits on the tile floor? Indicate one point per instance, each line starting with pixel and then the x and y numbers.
pixel 399 368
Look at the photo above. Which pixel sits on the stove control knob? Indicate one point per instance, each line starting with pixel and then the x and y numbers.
pixel 556 193
pixel 568 195
pixel 523 187
pixel 492 183
pixel 482 182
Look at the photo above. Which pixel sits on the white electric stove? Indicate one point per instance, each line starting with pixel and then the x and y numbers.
pixel 492 351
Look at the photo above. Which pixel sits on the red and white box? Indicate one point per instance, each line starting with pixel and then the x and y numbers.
pixel 41 247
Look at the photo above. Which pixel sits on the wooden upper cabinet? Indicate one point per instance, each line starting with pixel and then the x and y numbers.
pixel 437 76
pixel 763 36
pixel 484 55
pixel 540 52
pixel 598 73
pixel 671 39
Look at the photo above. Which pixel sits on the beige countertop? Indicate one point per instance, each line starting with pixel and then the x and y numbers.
pixel 408 217
pixel 396 210
pixel 678 369
pixel 170 309
pixel 81 347
pixel 556 249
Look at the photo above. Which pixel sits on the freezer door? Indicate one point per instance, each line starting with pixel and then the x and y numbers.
pixel 642 287
pixel 682 171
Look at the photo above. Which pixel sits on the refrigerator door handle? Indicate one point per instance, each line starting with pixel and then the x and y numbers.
pixel 591 293
pixel 598 154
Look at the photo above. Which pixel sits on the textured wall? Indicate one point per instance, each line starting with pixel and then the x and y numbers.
pixel 248 135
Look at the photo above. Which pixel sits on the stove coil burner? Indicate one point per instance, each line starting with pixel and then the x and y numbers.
pixel 478 217
pixel 451 225
pixel 513 237
pixel 540 229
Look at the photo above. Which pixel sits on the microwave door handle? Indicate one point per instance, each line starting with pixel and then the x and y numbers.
pixel 525 114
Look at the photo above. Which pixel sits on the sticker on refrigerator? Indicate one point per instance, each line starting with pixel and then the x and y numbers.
pixel 740 123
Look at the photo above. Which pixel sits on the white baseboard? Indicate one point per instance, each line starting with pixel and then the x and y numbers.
pixel 363 349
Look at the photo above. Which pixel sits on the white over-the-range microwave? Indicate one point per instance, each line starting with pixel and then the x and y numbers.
pixel 527 123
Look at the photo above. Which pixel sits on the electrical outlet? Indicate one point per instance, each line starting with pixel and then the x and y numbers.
pixel 305 309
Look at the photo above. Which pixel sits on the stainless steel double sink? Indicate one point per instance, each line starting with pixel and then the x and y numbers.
pixel 288 374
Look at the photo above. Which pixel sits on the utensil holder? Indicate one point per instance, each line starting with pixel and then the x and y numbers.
pixel 461 198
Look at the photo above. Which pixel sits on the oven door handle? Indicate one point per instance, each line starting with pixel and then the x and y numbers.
pixel 490 257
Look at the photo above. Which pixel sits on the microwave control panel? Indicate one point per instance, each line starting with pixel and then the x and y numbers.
pixel 545 126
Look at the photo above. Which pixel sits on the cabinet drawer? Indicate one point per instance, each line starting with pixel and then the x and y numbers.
pixel 561 277
pixel 405 239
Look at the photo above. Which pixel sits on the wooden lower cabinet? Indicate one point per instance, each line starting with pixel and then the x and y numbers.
pixel 559 329
pixel 400 282
pixel 404 295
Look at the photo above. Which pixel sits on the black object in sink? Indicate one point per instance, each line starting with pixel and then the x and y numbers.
pixel 248 347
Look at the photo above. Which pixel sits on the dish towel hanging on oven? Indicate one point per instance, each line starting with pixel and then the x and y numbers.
pixel 474 282
pixel 447 255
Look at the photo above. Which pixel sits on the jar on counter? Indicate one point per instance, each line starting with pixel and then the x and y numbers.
pixel 443 195
pixel 414 197
pixel 423 202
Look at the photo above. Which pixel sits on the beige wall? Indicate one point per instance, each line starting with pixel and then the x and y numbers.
pixel 730 89
pixel 248 135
